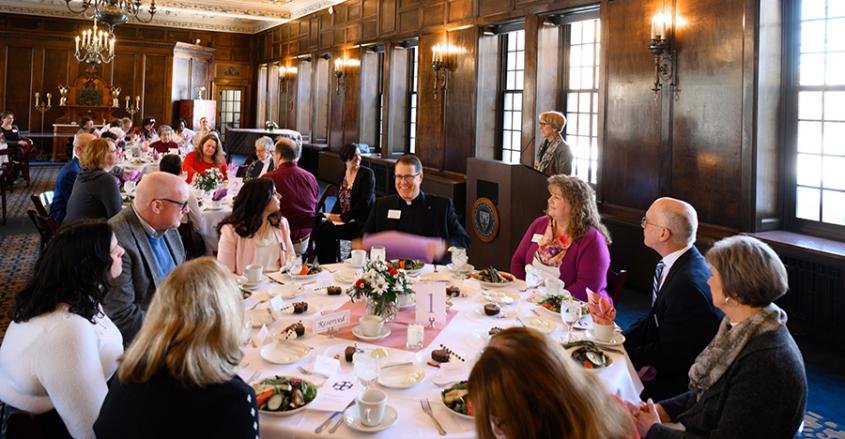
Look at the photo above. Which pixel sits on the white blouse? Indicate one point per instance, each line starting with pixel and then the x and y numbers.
pixel 268 251
pixel 60 360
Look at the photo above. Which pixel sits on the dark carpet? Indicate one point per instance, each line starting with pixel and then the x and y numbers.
pixel 825 417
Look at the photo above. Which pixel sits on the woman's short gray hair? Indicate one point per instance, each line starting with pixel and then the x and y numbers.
pixel 266 141
pixel 164 128
pixel 751 272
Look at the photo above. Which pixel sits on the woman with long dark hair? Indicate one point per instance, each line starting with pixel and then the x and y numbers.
pixel 60 348
pixel 255 233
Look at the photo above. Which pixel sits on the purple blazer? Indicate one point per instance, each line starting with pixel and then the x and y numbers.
pixel 584 266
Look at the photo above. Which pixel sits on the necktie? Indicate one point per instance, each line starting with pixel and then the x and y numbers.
pixel 655 286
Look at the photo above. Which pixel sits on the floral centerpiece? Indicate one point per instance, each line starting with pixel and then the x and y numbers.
pixel 381 285
pixel 208 180
pixel 270 125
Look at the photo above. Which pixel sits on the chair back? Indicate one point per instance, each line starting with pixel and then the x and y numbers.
pixel 330 191
pixel 45 225
pixel 616 283
pixel 42 202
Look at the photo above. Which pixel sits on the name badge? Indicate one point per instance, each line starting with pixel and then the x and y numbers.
pixel 394 214
pixel 536 238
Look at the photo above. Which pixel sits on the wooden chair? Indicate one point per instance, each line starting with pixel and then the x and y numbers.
pixel 45 225
pixel 42 202
pixel 616 283
pixel 330 191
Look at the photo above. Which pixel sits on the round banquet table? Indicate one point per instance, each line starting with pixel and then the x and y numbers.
pixel 464 334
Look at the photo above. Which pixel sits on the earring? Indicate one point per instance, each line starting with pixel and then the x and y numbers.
pixel 727 300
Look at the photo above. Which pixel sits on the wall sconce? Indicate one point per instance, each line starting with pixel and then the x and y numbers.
pixel 43 106
pixel 284 76
pixel 662 45
pixel 442 62
pixel 339 74
pixel 133 109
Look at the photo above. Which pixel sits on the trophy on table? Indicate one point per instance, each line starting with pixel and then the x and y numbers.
pixel 115 93
pixel 63 92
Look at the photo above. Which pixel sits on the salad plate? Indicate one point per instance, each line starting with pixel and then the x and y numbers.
pixel 401 377
pixel 617 340
pixel 492 278
pixel 411 266
pixel 347 276
pixel 284 352
pixel 284 396
pixel 455 399
pixel 588 355
pixel 356 331
pixel 352 418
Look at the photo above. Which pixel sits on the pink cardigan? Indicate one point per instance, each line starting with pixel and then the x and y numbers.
pixel 236 252
pixel 584 266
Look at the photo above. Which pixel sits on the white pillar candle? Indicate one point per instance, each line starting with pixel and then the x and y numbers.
pixel 416 335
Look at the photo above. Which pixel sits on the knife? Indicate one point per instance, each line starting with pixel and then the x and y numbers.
pixel 407 363
pixel 332 416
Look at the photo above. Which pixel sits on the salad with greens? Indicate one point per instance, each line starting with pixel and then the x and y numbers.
pixel 456 398
pixel 492 276
pixel 588 354
pixel 282 394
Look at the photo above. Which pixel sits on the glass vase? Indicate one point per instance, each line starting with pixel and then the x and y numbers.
pixel 383 308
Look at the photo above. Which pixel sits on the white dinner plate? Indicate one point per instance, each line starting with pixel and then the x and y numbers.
pixel 259 316
pixel 585 323
pixel 287 352
pixel 401 377
pixel 617 340
pixel 353 420
pixel 356 331
pixel 286 291
pixel 347 276
pixel 539 324
pixel 242 280
pixel 466 269
pixel 305 277
pixel 501 296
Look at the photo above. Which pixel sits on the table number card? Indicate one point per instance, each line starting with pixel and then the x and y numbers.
pixel 431 302
pixel 331 321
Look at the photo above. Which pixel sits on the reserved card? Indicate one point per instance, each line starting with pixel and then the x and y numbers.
pixel 334 321
pixel 431 302
pixel 277 303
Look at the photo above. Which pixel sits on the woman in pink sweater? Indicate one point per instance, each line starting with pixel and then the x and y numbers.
pixel 570 238
pixel 255 233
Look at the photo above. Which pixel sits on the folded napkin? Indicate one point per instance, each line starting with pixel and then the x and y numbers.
pixel 450 372
pixel 600 308
pixel 219 194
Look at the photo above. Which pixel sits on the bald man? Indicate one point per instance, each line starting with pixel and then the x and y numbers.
pixel 682 320
pixel 147 231
pixel 67 175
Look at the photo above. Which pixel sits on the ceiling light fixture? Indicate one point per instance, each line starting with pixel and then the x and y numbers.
pixel 114 12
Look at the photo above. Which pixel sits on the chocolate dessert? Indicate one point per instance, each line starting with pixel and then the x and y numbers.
pixel 334 290
pixel 495 330
pixel 349 352
pixel 491 309
pixel 297 328
pixel 300 307
pixel 453 291
pixel 440 355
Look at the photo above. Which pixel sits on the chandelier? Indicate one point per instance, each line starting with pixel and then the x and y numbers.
pixel 95 46
pixel 113 12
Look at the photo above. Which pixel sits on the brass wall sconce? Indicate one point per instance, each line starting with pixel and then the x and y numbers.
pixel 286 74
pixel 442 62
pixel 339 74
pixel 43 105
pixel 133 109
pixel 662 46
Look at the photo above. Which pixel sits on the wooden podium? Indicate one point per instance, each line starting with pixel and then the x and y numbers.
pixel 502 201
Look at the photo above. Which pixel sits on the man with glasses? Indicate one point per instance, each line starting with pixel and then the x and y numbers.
pixel 682 320
pixel 264 160
pixel 147 230
pixel 413 211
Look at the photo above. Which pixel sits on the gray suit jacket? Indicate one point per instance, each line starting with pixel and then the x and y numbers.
pixel 128 298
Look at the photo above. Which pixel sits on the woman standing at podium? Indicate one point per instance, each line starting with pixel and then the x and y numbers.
pixel 554 155
pixel 568 240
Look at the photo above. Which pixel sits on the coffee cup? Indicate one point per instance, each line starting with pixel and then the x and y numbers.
pixel 253 273
pixel 553 286
pixel 358 258
pixel 371 325
pixel 603 332
pixel 371 405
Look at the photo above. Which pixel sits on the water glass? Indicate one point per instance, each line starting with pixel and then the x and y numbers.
pixel 129 186
pixel 295 265
pixel 367 367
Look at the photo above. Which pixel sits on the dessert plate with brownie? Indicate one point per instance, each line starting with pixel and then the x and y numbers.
pixel 299 309
pixel 330 290
pixel 491 310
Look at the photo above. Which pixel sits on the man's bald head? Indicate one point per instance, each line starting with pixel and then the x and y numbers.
pixel 157 199
pixel 679 217
pixel 81 141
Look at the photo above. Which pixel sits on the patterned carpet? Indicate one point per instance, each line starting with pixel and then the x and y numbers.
pixel 19 244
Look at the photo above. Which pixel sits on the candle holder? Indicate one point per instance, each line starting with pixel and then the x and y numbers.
pixel 442 63
pixel 115 94
pixel 133 109
pixel 339 74
pixel 95 46
pixel 45 105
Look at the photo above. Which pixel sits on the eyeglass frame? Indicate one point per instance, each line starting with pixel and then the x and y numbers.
pixel 406 178
pixel 645 221
pixel 182 206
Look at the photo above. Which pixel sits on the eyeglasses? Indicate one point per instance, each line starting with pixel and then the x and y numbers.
pixel 645 221
pixel 406 178
pixel 544 123
pixel 182 205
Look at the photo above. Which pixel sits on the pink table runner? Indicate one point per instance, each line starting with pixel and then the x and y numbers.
pixel 398 327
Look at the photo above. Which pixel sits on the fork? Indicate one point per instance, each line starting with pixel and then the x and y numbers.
pixel 426 408
pixel 311 372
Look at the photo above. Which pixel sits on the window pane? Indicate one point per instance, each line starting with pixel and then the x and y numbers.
pixel 834 207
pixel 586 77
pixel 584 125
pixel 574 79
pixel 572 102
pixel 506 143
pixel 810 105
pixel 835 8
pixel 835 69
pixel 809 170
pixel 588 31
pixel 517 101
pixel 834 105
pixel 520 38
pixel 511 60
pixel 572 124
pixel 516 141
pixel 809 137
pixel 834 173
pixel 813 9
pixel 510 83
pixel 812 36
pixel 519 78
pixel 575 32
pixel 508 101
pixel 584 102
pixel 812 69
pixel 807 203
pixel 587 55
pixel 507 122
pixel 834 138
pixel 836 33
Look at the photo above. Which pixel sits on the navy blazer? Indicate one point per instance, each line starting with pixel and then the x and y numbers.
pixel 64 187
pixel 678 327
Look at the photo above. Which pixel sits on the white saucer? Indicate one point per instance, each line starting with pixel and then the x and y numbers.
pixel 351 417
pixel 260 316
pixel 284 352
pixel 356 331
pixel 401 377
pixel 468 268
pixel 347 276
pixel 539 324
pixel 213 208
pixel 412 302
pixel 349 262
pixel 501 296
pixel 242 280
pixel 617 340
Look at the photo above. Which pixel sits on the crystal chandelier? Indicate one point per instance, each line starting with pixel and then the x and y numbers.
pixel 95 46
pixel 113 12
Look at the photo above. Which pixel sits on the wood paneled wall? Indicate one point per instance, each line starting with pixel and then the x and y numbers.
pixel 37 56
pixel 700 142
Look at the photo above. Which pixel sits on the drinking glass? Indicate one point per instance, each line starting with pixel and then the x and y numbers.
pixel 295 265
pixel 570 313
pixel 367 367
pixel 377 252
pixel 129 186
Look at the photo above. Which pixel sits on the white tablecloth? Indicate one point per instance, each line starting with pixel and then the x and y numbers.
pixel 464 335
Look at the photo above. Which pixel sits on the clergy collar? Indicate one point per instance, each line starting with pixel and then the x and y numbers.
pixel 419 200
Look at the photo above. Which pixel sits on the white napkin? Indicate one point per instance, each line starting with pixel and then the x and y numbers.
pixel 450 372
pixel 336 393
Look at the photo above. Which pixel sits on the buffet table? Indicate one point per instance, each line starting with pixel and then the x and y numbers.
pixel 466 333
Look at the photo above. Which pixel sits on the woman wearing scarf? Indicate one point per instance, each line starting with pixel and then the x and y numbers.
pixel 554 155
pixel 749 381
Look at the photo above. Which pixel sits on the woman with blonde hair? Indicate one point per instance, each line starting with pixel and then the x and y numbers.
pixel 95 192
pixel 554 155
pixel 207 154
pixel 178 378
pixel 525 386
pixel 569 240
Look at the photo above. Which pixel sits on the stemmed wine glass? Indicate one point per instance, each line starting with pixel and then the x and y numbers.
pixel 367 368
pixel 570 313
pixel 295 265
